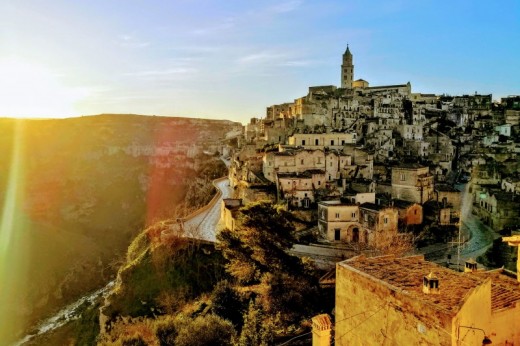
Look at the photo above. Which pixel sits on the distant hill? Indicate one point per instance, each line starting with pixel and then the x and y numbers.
pixel 77 190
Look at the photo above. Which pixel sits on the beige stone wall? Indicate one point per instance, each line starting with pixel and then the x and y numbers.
pixel 320 140
pixel 451 198
pixel 371 313
pixel 409 186
pixel 413 215
pixel 476 313
pixel 341 217
pixel 501 332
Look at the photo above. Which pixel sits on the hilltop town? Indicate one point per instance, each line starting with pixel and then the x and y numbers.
pixel 374 160
pixel 354 215
pixel 377 171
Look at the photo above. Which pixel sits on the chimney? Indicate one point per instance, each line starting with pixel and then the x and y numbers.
pixel 321 326
pixel 430 284
pixel 470 266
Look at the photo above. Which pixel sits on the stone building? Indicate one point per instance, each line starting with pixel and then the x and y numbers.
pixel 410 213
pixel 298 189
pixel 301 160
pixel 409 301
pixel 412 182
pixel 366 223
pixel 380 222
pixel 347 70
pixel 498 209
pixel 228 212
pixel 360 83
pixel 335 140
pixel 340 222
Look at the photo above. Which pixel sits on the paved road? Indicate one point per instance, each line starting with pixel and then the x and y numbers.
pixel 204 225
pixel 481 239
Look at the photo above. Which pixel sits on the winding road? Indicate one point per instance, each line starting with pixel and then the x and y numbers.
pixel 480 236
pixel 204 225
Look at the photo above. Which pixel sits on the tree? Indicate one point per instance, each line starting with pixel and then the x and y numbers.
pixel 260 243
pixel 256 331
pixel 499 255
pixel 257 254
pixel 227 304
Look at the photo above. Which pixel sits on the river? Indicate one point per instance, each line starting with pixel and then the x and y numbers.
pixel 69 313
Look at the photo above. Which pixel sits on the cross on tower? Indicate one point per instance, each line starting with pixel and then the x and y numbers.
pixel 515 241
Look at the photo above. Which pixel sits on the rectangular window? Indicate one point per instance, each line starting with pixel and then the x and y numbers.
pixel 402 177
pixel 317 141
pixel 337 215
pixel 301 161
pixel 331 142
pixel 386 220
pixel 303 141
pixel 354 215
pixel 343 142
pixel 337 234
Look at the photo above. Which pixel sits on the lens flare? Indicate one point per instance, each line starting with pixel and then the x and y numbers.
pixel 13 249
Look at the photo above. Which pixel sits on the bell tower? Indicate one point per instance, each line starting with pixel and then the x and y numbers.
pixel 347 70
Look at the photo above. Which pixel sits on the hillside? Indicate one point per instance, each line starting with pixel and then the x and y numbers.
pixel 76 191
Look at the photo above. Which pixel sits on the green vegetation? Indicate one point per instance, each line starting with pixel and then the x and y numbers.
pixel 86 186
pixel 164 277
pixel 178 293
pixel 499 255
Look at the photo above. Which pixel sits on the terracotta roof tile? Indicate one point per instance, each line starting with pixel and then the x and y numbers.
pixel 407 273
pixel 505 290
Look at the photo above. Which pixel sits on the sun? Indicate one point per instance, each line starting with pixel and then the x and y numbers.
pixel 29 90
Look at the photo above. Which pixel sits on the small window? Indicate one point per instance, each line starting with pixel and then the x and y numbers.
pixel 301 161
pixel 317 142
pixel 402 177
pixel 303 141
pixel 337 234
pixel 386 220
pixel 331 142
pixel 319 182
pixel 337 215
pixel 354 215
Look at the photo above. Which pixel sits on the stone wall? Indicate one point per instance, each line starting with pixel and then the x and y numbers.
pixel 371 312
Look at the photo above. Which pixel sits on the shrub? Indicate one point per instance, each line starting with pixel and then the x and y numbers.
pixel 166 331
pixel 206 330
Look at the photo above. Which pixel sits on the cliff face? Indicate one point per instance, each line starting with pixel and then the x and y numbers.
pixel 76 191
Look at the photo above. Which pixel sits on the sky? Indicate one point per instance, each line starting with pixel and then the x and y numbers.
pixel 231 59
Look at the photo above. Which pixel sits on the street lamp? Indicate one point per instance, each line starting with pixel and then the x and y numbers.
pixel 485 341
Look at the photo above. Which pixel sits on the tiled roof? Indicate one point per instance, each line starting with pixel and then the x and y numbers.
pixel 505 290
pixel 407 273
pixel 410 165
